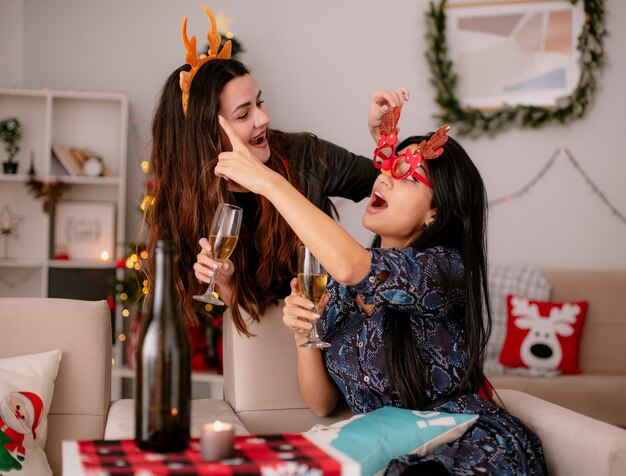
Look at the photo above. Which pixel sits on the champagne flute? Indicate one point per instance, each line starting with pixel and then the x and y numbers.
pixel 312 279
pixel 222 238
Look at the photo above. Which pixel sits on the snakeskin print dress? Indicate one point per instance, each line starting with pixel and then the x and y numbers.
pixel 428 288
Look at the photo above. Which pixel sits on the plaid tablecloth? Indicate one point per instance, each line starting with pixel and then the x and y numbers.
pixel 286 454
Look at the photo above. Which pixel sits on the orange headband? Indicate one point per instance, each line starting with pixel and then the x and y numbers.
pixel 196 62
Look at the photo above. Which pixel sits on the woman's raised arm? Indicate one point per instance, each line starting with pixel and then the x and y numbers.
pixel 342 256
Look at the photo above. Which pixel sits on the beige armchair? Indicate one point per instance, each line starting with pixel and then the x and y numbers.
pixel 81 404
pixel 81 330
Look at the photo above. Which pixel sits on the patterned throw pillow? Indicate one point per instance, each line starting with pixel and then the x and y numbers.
pixel 543 336
pixel 26 386
pixel 373 439
pixel 523 280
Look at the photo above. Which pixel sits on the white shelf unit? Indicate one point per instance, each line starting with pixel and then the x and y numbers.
pixel 96 121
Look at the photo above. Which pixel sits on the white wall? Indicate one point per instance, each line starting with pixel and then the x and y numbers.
pixel 11 43
pixel 317 62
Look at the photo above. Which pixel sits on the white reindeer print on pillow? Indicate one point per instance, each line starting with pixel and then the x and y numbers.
pixel 543 336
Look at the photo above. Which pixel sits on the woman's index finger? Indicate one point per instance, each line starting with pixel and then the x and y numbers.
pixel 235 141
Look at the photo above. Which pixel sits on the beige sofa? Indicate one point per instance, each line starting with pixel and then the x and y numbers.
pixel 600 389
pixel 260 387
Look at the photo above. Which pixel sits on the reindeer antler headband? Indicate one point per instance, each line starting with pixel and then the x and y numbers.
pixel 196 62
pixel 406 164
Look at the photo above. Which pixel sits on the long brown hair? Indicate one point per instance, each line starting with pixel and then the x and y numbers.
pixel 186 195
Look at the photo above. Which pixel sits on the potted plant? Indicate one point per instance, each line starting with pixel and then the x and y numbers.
pixel 10 135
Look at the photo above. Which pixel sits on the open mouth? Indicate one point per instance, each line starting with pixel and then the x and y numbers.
pixel 377 201
pixel 258 140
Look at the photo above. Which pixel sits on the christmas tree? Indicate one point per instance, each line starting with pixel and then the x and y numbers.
pixel 130 287
pixel 7 461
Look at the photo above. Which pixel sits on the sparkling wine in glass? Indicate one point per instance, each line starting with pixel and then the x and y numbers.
pixel 312 279
pixel 222 238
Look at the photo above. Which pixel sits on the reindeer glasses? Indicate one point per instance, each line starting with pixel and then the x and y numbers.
pixel 406 164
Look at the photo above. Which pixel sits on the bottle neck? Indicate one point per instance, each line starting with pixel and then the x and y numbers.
pixel 163 295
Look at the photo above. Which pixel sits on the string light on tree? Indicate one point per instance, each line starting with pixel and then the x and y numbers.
pixel 148 197
pixel 223 23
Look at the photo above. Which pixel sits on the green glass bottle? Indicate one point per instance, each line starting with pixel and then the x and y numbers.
pixel 163 366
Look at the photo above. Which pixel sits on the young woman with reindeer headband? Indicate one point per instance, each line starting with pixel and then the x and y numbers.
pixel 186 143
pixel 405 317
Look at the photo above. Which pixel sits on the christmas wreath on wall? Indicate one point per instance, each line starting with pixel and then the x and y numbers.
pixel 475 122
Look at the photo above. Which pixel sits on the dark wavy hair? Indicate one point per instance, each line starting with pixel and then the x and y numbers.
pixel 186 195
pixel 460 201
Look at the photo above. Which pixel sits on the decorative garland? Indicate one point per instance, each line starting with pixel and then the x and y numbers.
pixel 51 192
pixel 475 122
pixel 563 153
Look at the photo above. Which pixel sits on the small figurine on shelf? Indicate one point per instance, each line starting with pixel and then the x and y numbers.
pixel 61 253
pixel 11 134
pixel 93 166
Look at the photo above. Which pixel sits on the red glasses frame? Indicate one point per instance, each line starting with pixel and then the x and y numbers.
pixel 390 164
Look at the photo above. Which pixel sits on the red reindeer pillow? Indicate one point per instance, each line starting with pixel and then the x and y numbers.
pixel 543 336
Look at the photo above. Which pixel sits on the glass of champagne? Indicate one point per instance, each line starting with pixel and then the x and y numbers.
pixel 222 238
pixel 312 279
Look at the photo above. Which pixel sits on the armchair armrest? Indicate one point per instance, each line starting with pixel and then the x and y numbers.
pixel 121 419
pixel 573 444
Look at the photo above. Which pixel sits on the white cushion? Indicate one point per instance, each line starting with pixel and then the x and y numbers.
pixel 26 387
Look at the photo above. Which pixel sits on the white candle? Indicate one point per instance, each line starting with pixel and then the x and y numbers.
pixel 217 440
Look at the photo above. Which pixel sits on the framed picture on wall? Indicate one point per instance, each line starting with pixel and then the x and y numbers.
pixel 514 51
pixel 84 230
